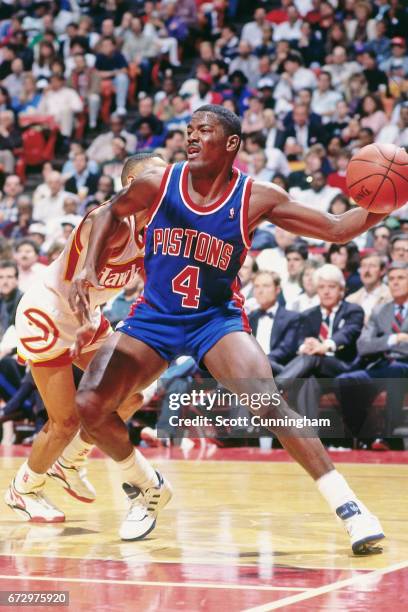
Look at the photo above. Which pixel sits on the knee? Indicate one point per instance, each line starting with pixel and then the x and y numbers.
pixel 63 429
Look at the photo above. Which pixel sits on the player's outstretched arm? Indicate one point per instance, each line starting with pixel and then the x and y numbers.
pixel 270 202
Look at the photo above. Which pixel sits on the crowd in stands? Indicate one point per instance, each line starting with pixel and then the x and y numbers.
pixel 86 83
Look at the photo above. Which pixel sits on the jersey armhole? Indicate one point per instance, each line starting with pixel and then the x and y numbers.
pixel 244 212
pixel 161 193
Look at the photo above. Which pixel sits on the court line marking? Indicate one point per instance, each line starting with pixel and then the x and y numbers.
pixel 333 586
pixel 196 585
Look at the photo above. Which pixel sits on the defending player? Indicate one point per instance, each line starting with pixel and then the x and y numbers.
pixel 201 215
pixel 47 329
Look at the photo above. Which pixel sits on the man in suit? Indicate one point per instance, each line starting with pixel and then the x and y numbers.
pixel 273 326
pixel 374 291
pixel 305 131
pixel 327 342
pixel 82 177
pixel 384 347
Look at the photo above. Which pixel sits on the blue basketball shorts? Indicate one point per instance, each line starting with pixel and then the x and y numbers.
pixel 172 335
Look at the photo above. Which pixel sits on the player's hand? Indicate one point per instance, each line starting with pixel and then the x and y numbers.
pixel 79 294
pixel 84 335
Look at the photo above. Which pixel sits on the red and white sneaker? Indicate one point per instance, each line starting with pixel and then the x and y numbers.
pixel 74 481
pixel 33 506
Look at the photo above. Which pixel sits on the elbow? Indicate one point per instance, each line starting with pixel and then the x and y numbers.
pixel 338 233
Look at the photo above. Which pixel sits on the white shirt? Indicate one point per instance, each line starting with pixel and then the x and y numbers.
pixel 273 260
pixel 252 34
pixel 304 302
pixel 264 329
pixel 48 207
pixel 286 31
pixel 324 103
pixel 317 200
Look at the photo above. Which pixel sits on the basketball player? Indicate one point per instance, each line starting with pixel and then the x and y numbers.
pixel 46 328
pixel 201 215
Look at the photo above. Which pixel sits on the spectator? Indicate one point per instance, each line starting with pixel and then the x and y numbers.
pixel 340 69
pixel 374 291
pixel 303 130
pixel 372 114
pixel 10 139
pixel 308 298
pixel 325 98
pixel 296 257
pixel 253 120
pixel 383 346
pixel 303 178
pixel 338 178
pixel 246 63
pixel 85 80
pixel 381 240
pixel 37 232
pixel 29 98
pixel 376 79
pixel 62 103
pixel 398 133
pixel 246 276
pixel 104 192
pixel 346 257
pixel 101 150
pixel 19 228
pixel 8 203
pixel 294 78
pixel 252 32
pixel 114 166
pixel 14 81
pixel 82 178
pixel 48 199
pixel 10 295
pixel 339 205
pixel 41 68
pixel 274 327
pixel 179 114
pixel 204 95
pixel 257 167
pixel 26 254
pixel 398 52
pixel 274 259
pixel 399 248
pixel 240 92
pixel 226 46
pixel 327 343
pixel 291 29
pixel 146 111
pixel 319 195
pixel 112 69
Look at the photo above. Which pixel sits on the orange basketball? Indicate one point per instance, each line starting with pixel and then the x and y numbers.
pixel 377 177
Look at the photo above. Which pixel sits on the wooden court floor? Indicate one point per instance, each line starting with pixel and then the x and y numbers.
pixel 245 531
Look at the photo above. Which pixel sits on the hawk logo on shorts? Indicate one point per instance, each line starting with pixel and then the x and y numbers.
pixel 48 332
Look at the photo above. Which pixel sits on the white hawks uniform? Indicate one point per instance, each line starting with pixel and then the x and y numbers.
pixel 46 326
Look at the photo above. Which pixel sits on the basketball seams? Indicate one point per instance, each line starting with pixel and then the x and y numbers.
pixel 382 183
pixel 370 161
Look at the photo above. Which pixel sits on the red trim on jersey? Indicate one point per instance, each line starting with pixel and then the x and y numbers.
pixel 206 209
pixel 160 194
pixel 244 213
pixel 75 250
pixel 104 325
pixel 239 301
pixel 140 300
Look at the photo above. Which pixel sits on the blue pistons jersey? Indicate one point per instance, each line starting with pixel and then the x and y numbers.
pixel 193 254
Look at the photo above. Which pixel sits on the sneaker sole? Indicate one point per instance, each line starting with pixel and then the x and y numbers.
pixel 367 546
pixel 66 487
pixel 26 516
pixel 140 537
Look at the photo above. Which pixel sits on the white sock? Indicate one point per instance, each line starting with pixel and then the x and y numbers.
pixel 76 452
pixel 335 489
pixel 27 480
pixel 137 471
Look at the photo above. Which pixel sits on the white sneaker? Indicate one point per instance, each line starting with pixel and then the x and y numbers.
pixel 74 481
pixel 363 528
pixel 33 506
pixel 144 507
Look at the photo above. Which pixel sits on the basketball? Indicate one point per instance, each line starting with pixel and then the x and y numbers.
pixel 377 177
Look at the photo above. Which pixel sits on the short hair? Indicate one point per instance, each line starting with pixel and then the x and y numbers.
pixel 329 272
pixel 28 241
pixel 294 56
pixel 274 276
pixel 7 263
pixel 230 121
pixel 300 248
pixel 397 238
pixel 383 260
pixel 132 162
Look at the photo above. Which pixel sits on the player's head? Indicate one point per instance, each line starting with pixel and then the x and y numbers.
pixel 213 136
pixel 137 163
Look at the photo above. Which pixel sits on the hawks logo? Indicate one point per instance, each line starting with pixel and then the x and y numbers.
pixel 47 333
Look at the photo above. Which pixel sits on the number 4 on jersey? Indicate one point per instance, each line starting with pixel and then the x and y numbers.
pixel 186 284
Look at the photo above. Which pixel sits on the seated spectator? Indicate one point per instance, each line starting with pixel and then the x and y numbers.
pixel 240 93
pixel 399 248
pixel 325 98
pixel 246 276
pixel 61 103
pixel 246 63
pixel 374 291
pixel 383 346
pixel 376 79
pixel 252 32
pixel 274 259
pixel 118 309
pixel 112 67
pixel 396 133
pixel 15 80
pixel 37 232
pixel 81 178
pixel 104 191
pixel 146 138
pixel 327 342
pixel 68 168
pixel 381 237
pixel 303 178
pixel 398 52
pixel 294 78
pixel 304 131
pixel 296 257
pixel 258 167
pixel 274 327
pixel 308 298
pixel 114 166
pixel 10 294
pixel 10 138
pixel 226 46
pixel 340 69
pixel 346 257
pixel 338 178
pixel 339 205
pixel 19 228
pixel 100 149
pixel 319 195
pixel 48 198
pixel 8 199
pixel 290 29
pixel 86 81
pixel 29 98
pixel 145 110
pixel 253 120
pixel 372 114
pixel 180 114
pixel 205 93
pixel 26 254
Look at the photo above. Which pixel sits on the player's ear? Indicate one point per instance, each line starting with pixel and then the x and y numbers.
pixel 233 143
pixel 129 179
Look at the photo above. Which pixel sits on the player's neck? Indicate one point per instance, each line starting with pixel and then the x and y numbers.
pixel 205 188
